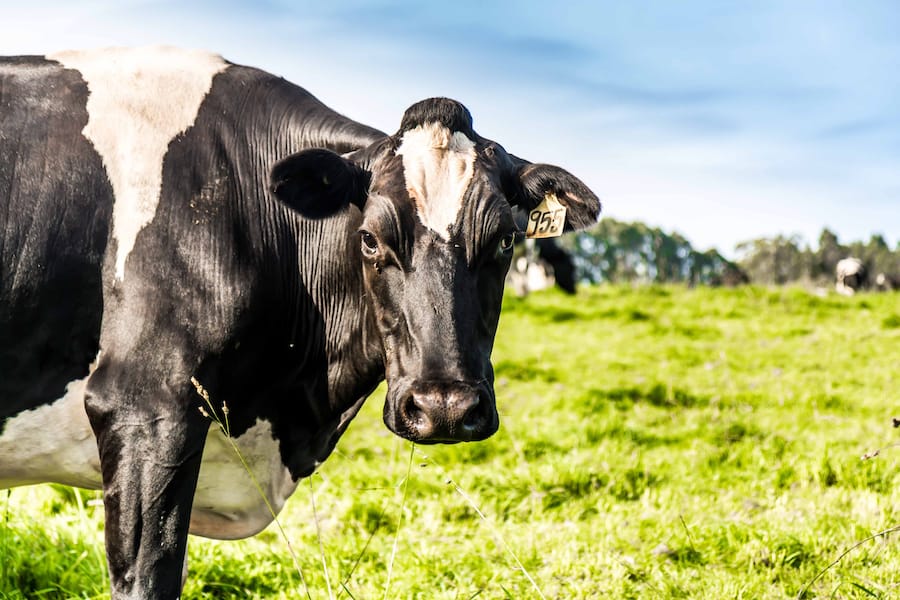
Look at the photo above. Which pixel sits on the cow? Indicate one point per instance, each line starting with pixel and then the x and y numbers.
pixel 166 215
pixel 540 264
pixel 886 282
pixel 850 276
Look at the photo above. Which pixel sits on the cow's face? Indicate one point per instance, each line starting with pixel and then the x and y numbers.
pixel 435 242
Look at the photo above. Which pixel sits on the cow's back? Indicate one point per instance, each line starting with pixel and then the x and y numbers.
pixel 55 208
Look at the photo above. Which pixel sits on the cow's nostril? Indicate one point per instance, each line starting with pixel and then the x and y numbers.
pixel 474 416
pixel 415 413
pixel 411 409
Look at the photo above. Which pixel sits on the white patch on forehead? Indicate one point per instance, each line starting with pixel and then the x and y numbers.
pixel 51 443
pixel 227 504
pixel 140 99
pixel 438 167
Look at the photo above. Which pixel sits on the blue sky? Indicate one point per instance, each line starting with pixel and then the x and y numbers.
pixel 723 121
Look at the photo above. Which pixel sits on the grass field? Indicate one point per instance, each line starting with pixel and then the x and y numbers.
pixel 655 443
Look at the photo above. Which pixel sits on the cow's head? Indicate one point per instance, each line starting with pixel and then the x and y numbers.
pixel 435 242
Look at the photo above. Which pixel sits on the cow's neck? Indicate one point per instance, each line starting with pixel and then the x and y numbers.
pixel 332 345
pixel 338 350
pixel 355 356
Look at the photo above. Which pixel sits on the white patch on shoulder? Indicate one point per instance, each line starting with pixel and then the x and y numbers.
pixel 140 99
pixel 438 167
pixel 227 504
pixel 52 443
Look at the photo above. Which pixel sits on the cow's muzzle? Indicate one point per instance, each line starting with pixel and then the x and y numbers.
pixel 443 412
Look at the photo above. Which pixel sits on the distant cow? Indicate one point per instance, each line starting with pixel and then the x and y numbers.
pixel 850 276
pixel 540 264
pixel 166 215
pixel 885 282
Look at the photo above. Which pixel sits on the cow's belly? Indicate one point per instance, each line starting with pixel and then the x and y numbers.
pixel 52 443
pixel 55 443
pixel 228 503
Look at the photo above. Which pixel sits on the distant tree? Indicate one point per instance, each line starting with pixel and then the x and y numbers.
pixel 618 251
pixel 633 252
pixel 830 251
pixel 775 261
pixel 781 259
pixel 878 258
pixel 673 256
pixel 711 268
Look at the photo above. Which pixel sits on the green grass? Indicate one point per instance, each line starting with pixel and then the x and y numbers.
pixel 655 443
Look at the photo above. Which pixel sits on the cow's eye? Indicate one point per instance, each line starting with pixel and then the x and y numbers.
pixel 369 243
pixel 506 242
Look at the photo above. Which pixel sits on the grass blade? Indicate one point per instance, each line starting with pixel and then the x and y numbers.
pixel 362 552
pixel 312 499
pixel 864 589
pixel 819 575
pixel 493 528
pixel 387 585
pixel 226 431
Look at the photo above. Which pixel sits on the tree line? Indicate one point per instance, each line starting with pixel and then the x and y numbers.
pixel 787 259
pixel 632 252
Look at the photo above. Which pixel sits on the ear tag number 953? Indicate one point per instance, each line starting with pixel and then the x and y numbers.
pixel 547 220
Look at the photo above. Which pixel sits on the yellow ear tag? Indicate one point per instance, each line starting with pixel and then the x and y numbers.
pixel 547 220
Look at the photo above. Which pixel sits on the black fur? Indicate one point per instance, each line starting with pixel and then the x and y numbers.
pixel 317 183
pixel 449 113
pixel 55 208
pixel 529 183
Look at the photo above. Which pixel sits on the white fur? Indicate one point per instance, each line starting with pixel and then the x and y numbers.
pixel 140 99
pixel 55 443
pixel 51 443
pixel 846 267
pixel 438 167
pixel 227 504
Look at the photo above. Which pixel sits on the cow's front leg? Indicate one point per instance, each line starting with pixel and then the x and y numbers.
pixel 150 443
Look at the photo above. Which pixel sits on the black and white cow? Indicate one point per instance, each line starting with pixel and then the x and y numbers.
pixel 538 264
pixel 541 264
pixel 165 215
pixel 886 282
pixel 850 276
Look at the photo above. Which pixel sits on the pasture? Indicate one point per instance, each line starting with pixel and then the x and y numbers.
pixel 655 442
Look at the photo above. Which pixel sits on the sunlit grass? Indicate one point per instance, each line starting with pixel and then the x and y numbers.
pixel 655 443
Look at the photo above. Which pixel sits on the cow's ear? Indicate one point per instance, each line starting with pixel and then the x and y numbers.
pixel 317 183
pixel 528 184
